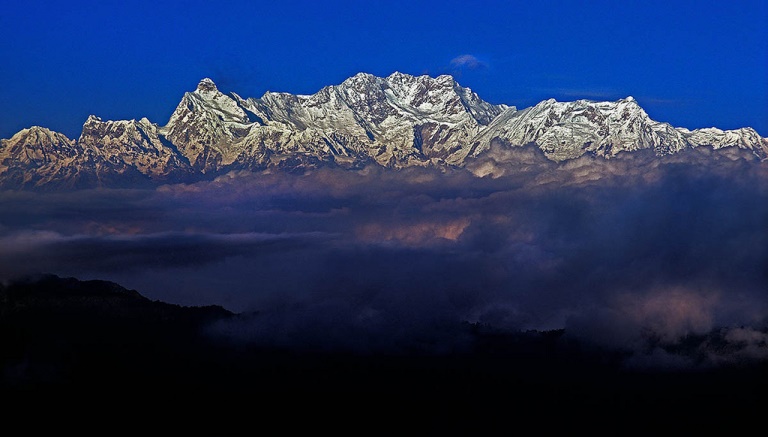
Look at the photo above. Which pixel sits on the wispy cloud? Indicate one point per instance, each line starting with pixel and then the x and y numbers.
pixel 467 61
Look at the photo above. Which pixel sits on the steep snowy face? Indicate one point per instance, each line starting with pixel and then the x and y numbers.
pixel 397 121
pixel 338 121
pixel 567 130
pixel 205 125
pixel 131 144
pixel 35 156
pixel 439 99
pixel 418 118
pixel 35 147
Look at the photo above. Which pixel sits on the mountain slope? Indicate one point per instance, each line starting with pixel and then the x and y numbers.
pixel 568 130
pixel 37 156
pixel 133 147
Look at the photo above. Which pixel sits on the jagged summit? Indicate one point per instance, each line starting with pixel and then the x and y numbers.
pixel 206 85
pixel 395 121
pixel 35 132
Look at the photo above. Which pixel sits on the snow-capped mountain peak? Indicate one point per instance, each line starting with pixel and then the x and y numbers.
pixel 395 121
pixel 206 85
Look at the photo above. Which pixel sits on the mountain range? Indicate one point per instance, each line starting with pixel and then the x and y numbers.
pixel 397 121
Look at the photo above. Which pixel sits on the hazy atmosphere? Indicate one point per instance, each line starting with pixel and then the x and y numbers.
pixel 378 261
pixel 475 217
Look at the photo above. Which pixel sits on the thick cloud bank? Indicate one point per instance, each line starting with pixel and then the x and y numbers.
pixel 664 263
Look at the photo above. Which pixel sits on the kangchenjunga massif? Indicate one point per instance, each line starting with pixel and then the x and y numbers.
pixel 397 121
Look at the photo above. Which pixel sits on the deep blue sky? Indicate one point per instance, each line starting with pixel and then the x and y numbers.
pixel 691 63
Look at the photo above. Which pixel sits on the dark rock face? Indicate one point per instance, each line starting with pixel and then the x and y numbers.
pixel 54 329
pixel 87 353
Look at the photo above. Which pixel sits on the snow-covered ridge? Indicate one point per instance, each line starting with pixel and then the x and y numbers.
pixel 395 121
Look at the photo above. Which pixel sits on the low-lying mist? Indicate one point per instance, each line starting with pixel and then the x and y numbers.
pixel 667 264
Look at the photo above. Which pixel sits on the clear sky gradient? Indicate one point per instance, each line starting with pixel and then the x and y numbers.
pixel 691 63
